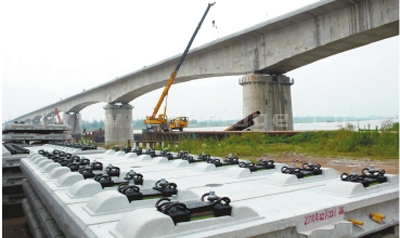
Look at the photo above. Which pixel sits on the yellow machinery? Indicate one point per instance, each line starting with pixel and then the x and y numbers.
pixel 161 123
pixel 179 123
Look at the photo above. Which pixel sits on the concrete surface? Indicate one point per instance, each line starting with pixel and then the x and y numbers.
pixel 264 203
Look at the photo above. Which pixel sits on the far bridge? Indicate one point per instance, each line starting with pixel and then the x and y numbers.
pixel 263 53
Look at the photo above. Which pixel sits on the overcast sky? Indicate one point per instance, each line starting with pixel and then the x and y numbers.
pixel 53 49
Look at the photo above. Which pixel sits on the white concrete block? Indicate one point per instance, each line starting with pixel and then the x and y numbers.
pixel 159 160
pixel 187 195
pixel 144 157
pixel 69 179
pixel 84 188
pixel 178 163
pixel 393 179
pixel 328 172
pixel 120 154
pixel 107 202
pixel 282 179
pixel 32 155
pixel 205 167
pixel 43 163
pixel 237 172
pixel 130 155
pixel 350 189
pixel 40 159
pixel 49 167
pixel 151 224
pixel 58 172
pixel 110 152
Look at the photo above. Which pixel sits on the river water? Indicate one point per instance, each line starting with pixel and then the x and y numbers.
pixel 311 126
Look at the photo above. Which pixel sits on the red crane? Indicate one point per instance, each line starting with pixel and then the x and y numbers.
pixel 58 116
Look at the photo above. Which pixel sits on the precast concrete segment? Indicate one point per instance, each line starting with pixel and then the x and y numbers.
pixel 278 45
pixel 46 221
pixel 11 161
pixel 271 95
pixel 45 168
pixel 74 151
pixel 87 220
pixel 264 203
pixel 118 124
pixel 12 178
pixel 34 223
pixel 32 137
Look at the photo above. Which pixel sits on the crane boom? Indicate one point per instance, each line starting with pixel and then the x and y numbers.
pixel 175 71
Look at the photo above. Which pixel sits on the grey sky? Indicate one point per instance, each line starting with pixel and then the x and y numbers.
pixel 52 50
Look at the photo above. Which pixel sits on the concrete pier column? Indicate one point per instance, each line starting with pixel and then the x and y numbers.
pixel 37 120
pixel 118 126
pixel 73 119
pixel 48 119
pixel 271 95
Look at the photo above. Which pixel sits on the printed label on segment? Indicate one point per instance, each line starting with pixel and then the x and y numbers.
pixel 323 215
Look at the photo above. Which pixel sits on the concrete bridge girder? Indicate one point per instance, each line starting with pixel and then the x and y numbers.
pixel 279 45
pixel 309 35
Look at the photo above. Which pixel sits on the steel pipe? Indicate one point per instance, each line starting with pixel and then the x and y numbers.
pixel 244 123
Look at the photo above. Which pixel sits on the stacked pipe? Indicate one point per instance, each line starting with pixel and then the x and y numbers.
pixel 244 123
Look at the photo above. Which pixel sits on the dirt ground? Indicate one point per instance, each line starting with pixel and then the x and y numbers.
pixel 16 228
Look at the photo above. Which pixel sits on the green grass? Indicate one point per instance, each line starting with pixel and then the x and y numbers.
pixel 201 217
pixel 152 197
pixel 382 144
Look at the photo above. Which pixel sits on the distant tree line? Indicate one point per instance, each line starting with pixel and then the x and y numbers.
pixel 93 125
pixel 138 123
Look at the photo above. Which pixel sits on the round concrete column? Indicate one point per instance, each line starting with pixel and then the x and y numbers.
pixel 118 127
pixel 73 120
pixel 47 120
pixel 37 121
pixel 270 95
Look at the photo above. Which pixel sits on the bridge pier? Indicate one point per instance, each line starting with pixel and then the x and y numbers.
pixel 271 95
pixel 48 119
pixel 73 119
pixel 36 122
pixel 118 124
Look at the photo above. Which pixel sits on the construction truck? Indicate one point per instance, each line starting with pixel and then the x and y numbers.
pixel 161 122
